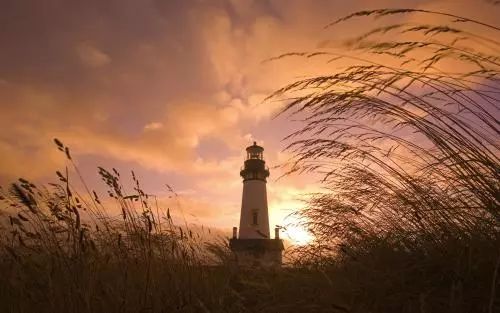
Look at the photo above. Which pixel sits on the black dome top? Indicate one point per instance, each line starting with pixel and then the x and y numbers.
pixel 255 148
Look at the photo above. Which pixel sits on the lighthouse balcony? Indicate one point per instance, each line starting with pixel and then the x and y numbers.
pixel 248 174
pixel 255 165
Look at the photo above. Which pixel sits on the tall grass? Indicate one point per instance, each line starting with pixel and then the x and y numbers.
pixel 406 139
pixel 64 252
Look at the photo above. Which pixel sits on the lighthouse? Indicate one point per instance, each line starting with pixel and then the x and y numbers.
pixel 254 246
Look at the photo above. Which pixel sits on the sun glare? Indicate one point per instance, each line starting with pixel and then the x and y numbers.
pixel 298 235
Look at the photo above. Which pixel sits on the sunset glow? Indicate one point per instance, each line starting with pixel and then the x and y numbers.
pixel 173 90
pixel 298 235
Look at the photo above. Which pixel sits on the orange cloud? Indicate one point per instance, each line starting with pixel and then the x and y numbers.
pixel 147 84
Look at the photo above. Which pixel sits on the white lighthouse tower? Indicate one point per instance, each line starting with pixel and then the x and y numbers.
pixel 254 218
pixel 254 246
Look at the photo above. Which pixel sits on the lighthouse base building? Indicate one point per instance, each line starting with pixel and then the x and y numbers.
pixel 257 252
pixel 254 246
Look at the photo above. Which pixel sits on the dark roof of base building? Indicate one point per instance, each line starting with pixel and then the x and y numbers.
pixel 256 244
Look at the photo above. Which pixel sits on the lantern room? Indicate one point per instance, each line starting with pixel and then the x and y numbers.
pixel 255 152
pixel 254 167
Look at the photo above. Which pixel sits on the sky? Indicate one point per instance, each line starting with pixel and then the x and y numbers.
pixel 173 90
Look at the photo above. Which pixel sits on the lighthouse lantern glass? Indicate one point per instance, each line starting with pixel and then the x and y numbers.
pixel 255 155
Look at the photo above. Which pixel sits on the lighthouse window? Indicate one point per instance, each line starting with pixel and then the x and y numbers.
pixel 255 155
pixel 255 218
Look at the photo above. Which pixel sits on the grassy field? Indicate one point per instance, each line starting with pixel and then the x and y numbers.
pixel 49 264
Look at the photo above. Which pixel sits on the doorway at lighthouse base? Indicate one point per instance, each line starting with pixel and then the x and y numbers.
pixel 257 252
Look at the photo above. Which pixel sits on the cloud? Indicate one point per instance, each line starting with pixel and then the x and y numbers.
pixel 154 84
pixel 153 126
pixel 91 56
